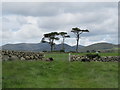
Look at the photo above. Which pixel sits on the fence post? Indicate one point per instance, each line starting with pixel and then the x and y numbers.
pixel 69 57
pixel 44 55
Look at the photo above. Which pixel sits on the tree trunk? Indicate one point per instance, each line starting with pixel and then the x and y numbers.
pixel 63 43
pixel 51 47
pixel 52 44
pixel 77 43
pixel 54 47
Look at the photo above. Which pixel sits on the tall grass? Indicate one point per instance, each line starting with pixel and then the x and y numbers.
pixel 59 74
pixel 0 74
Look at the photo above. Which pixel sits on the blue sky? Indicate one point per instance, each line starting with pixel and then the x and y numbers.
pixel 26 22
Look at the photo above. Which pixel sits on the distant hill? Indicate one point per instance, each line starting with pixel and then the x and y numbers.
pixel 67 47
pixel 27 47
pixel 99 46
pixel 46 47
pixel 37 47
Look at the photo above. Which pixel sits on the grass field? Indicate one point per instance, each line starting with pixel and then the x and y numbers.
pixel 0 74
pixel 59 74
pixel 65 56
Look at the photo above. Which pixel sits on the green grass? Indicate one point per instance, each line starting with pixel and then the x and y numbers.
pixel 65 56
pixel 59 74
pixel 0 74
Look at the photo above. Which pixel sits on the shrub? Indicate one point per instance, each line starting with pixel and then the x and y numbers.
pixel 91 56
pixel 62 50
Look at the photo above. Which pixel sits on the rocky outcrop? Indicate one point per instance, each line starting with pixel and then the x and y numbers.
pixel 7 55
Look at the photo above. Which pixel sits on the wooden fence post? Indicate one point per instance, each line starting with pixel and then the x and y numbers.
pixel 69 57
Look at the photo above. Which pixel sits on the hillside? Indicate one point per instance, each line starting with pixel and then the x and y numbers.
pixel 27 47
pixel 99 46
pixel 67 47
pixel 37 47
pixel 46 47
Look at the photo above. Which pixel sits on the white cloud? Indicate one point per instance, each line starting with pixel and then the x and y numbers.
pixel 28 24
pixel 60 0
pixel 14 31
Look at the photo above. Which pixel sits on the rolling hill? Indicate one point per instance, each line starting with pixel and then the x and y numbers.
pixel 99 46
pixel 46 47
pixel 37 47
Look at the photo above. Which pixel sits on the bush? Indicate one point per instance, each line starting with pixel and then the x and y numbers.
pixel 62 50
pixel 91 56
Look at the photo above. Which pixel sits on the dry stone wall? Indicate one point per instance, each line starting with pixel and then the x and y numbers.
pixel 100 59
pixel 7 55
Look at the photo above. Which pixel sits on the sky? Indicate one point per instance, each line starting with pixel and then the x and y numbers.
pixel 26 22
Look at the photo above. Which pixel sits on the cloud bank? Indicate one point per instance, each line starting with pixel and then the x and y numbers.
pixel 27 21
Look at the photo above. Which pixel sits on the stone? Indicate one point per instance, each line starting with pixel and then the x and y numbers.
pixel 13 58
pixel 27 57
pixel 5 58
pixel 85 60
pixel 22 58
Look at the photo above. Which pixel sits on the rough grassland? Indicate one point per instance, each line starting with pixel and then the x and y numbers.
pixel 0 74
pixel 59 74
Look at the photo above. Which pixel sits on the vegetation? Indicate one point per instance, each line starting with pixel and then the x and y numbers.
pixel 77 32
pixel 64 56
pixel 0 74
pixel 91 56
pixel 59 74
pixel 64 35
pixel 51 37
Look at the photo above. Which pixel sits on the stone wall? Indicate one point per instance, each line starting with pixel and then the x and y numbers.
pixel 100 59
pixel 6 55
